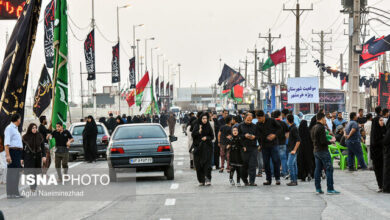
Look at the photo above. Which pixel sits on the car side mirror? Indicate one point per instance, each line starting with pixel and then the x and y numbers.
pixel 172 138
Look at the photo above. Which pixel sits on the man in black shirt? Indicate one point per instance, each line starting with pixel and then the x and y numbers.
pixel 322 156
pixel 111 123
pixel 63 138
pixel 293 143
pixel 247 132
pixel 224 135
pixel 266 130
pixel 281 137
pixel 44 132
pixel 361 120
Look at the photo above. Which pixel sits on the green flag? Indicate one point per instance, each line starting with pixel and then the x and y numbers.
pixel 268 64
pixel 60 72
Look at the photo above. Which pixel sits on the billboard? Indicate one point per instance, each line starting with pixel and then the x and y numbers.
pixel 303 90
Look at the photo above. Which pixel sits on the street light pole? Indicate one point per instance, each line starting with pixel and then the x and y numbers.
pixel 117 29
pixel 119 82
pixel 138 70
pixel 146 51
pixel 179 65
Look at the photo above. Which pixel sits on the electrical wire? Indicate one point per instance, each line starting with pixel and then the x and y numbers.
pixel 104 37
pixel 74 35
pixel 78 27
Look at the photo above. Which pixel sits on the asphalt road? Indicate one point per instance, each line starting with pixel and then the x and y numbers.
pixel 157 198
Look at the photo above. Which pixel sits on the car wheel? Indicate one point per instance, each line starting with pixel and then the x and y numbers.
pixel 112 174
pixel 170 173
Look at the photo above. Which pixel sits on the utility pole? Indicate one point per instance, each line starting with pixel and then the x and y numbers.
pixel 269 39
pixel 341 68
pixel 298 13
pixel 246 70
pixel 322 50
pixel 256 84
pixel 353 84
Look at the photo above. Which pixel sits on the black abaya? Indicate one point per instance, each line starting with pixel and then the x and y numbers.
pixel 203 152
pixel 305 156
pixel 89 141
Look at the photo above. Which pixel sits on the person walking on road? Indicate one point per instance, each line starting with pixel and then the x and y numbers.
pixel 247 132
pixel 3 162
pixel 202 136
pixel 322 155
pixel 352 133
pixel 236 162
pixel 378 131
pixel 111 123
pixel 89 140
pixel 367 129
pixel 189 130
pixel 171 124
pixel 44 132
pixel 305 157
pixel 294 142
pixel 13 149
pixel 34 152
pixel 266 130
pixel 63 139
pixel 224 134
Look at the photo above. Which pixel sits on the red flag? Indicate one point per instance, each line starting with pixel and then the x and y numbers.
pixel 142 83
pixel 238 91
pixel 279 56
pixel 131 98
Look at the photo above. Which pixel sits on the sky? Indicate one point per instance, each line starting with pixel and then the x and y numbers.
pixel 198 34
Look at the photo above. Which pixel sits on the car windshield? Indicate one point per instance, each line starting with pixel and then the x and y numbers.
pixel 78 130
pixel 139 132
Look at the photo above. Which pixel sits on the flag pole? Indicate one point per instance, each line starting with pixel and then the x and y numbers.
pixel 54 85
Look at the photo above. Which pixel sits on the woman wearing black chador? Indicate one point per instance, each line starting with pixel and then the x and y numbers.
pixel 89 140
pixel 203 149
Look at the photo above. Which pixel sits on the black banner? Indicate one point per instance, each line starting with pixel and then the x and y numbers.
pixel 132 73
pixel 384 91
pixel 116 78
pixel 171 91
pixel 156 88
pixel 15 68
pixel 162 88
pixel 332 98
pixel 89 52
pixel 167 90
pixel 43 94
pixel 49 34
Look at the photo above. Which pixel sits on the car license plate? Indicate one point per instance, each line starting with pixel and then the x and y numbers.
pixel 141 160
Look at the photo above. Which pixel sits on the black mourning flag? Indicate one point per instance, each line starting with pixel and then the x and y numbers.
pixel 15 68
pixel 230 77
pixel 116 78
pixel 43 94
pixel 49 34
pixel 132 73
pixel 89 52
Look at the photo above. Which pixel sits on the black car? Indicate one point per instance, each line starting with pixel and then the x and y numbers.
pixel 145 147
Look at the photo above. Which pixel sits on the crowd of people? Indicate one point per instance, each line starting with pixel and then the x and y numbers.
pixel 286 146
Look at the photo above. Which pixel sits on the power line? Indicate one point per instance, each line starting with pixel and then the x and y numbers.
pixel 104 37
pixel 74 35
pixel 78 27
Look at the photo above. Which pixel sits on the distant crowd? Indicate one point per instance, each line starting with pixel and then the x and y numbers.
pixel 285 145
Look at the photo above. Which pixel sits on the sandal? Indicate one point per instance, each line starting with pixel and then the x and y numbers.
pixel 221 170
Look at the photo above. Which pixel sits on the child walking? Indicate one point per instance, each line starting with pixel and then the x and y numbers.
pixel 235 147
